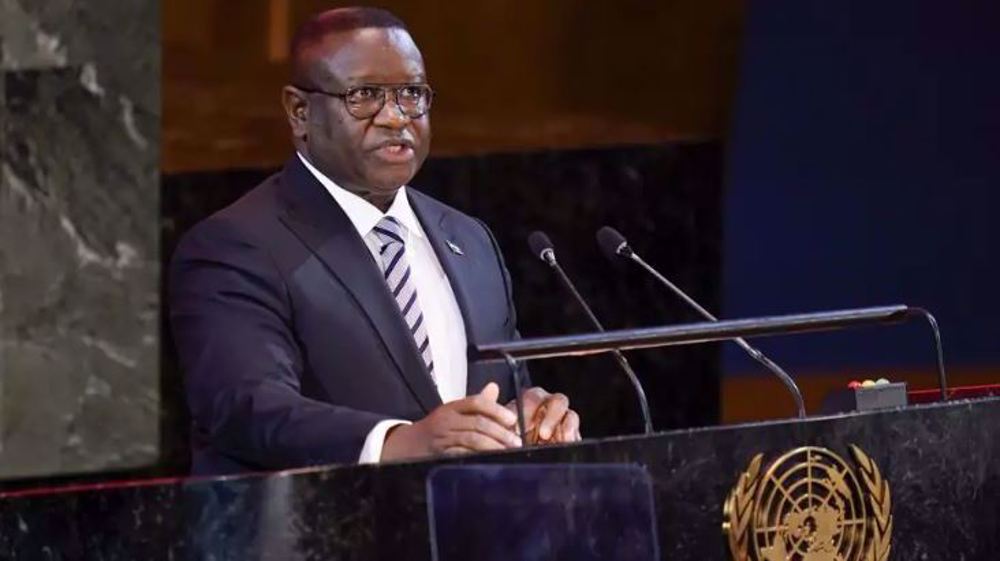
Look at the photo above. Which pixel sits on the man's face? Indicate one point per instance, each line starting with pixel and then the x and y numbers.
pixel 375 156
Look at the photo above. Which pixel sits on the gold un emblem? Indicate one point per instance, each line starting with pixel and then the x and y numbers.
pixel 809 505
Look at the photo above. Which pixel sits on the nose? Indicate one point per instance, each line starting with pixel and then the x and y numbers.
pixel 391 115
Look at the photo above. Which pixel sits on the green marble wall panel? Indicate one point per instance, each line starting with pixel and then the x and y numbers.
pixel 79 246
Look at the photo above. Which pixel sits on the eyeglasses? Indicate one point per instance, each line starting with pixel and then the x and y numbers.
pixel 364 102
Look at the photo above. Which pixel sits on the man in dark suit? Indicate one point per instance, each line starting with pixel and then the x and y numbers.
pixel 325 316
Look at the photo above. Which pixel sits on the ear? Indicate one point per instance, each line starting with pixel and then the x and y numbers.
pixel 296 106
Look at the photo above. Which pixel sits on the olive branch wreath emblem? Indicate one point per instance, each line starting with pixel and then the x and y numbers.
pixel 742 502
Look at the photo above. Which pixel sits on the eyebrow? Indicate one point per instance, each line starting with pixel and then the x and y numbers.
pixel 370 80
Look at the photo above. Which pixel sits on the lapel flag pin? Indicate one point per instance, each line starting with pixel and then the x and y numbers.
pixel 454 248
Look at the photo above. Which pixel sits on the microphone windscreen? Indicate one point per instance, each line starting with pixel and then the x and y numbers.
pixel 610 241
pixel 539 242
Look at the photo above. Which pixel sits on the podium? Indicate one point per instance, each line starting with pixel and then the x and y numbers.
pixel 918 482
pixel 941 463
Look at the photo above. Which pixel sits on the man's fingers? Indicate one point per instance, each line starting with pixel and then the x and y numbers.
pixel 477 441
pixel 556 407
pixel 569 428
pixel 491 392
pixel 457 451
pixel 481 404
pixel 529 414
pixel 490 428
pixel 531 400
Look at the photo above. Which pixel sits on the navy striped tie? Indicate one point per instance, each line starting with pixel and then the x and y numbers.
pixel 392 249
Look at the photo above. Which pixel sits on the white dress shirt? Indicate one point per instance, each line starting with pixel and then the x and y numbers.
pixel 445 327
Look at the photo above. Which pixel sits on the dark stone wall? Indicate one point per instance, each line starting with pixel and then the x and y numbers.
pixel 666 199
pixel 79 255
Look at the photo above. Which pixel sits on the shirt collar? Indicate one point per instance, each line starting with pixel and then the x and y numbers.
pixel 362 214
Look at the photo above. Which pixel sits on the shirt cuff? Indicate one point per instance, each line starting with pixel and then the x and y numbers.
pixel 371 453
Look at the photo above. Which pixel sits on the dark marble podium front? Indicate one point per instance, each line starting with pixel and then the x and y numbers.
pixel 942 463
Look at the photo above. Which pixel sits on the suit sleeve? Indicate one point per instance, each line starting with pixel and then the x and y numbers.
pixel 232 321
pixel 513 333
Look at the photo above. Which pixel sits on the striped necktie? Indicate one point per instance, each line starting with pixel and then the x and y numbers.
pixel 390 235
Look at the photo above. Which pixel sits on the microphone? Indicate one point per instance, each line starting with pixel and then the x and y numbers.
pixel 614 246
pixel 541 246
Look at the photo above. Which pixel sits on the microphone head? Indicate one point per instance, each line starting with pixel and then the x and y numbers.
pixel 612 243
pixel 541 246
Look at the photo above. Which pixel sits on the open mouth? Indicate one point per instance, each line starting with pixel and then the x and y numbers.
pixel 395 152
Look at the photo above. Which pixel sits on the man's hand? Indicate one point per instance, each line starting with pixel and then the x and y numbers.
pixel 474 424
pixel 548 417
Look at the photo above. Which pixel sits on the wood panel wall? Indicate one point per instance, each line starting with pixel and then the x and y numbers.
pixel 510 76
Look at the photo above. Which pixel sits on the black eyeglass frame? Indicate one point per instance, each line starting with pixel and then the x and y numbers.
pixel 383 89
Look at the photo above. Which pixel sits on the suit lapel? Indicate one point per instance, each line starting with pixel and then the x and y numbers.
pixel 316 218
pixel 461 268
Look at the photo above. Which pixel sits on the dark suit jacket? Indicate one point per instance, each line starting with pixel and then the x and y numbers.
pixel 291 345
